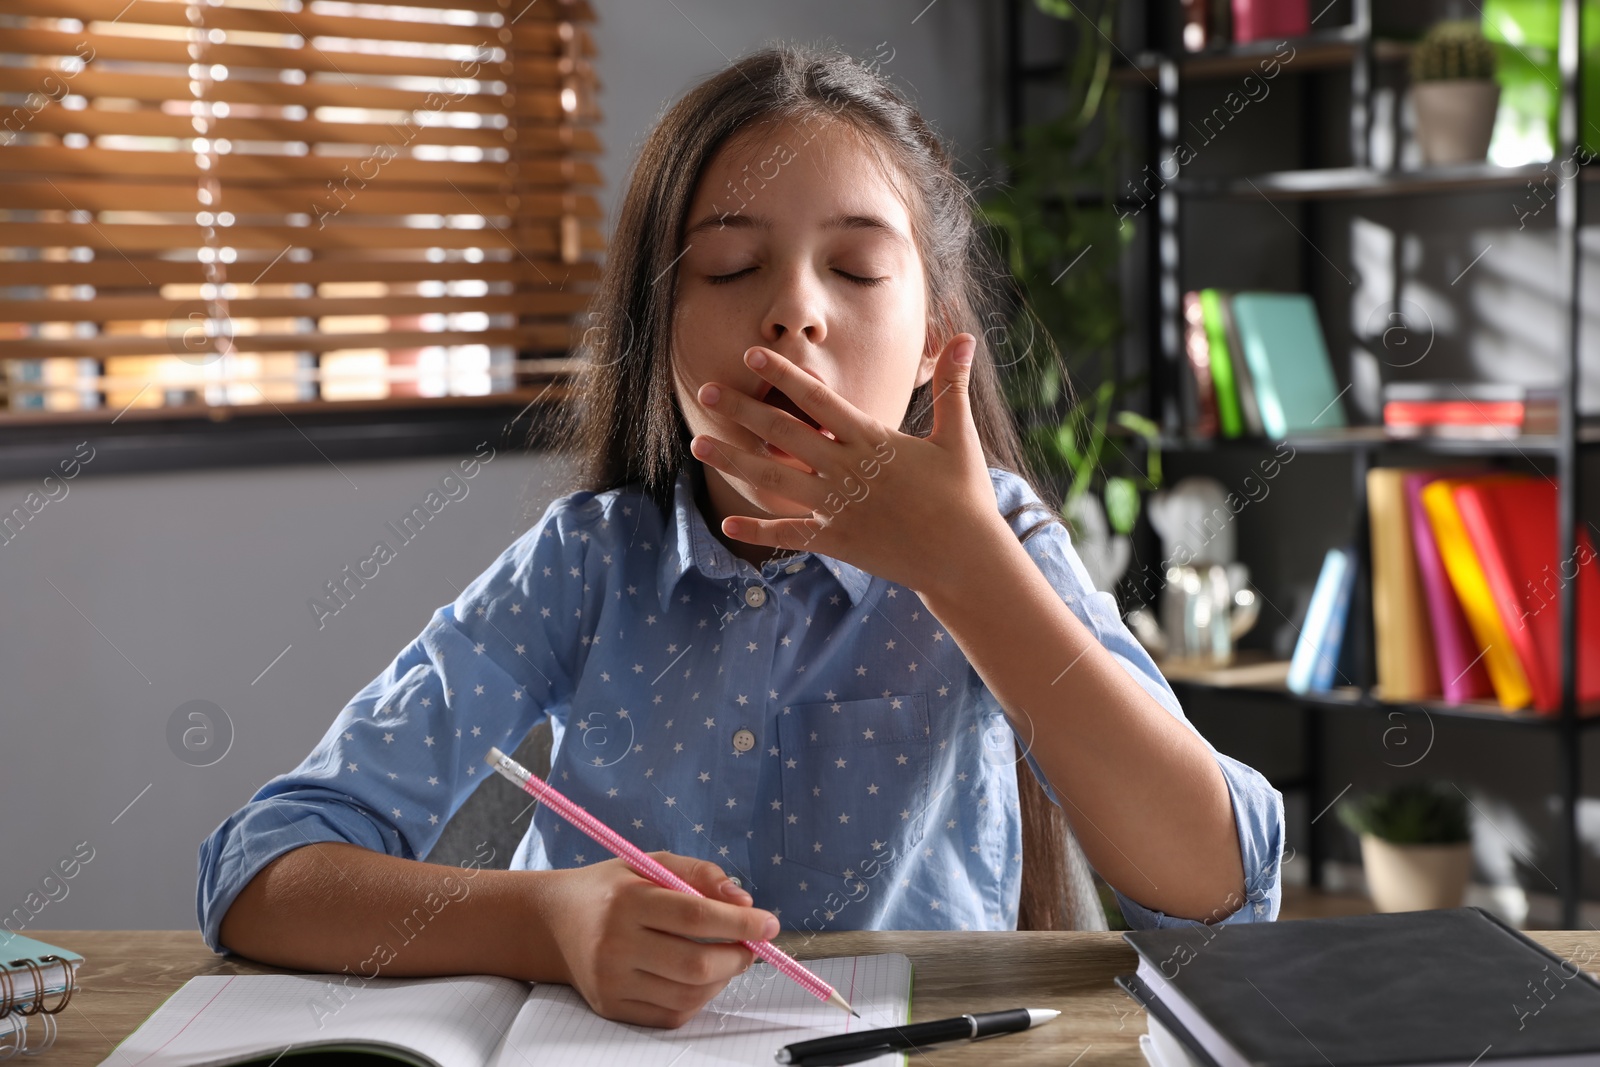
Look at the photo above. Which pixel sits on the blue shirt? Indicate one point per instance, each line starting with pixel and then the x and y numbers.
pixel 808 727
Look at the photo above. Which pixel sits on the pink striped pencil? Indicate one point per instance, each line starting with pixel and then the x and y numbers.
pixel 649 868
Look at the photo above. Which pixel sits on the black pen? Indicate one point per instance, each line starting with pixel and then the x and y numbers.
pixel 865 1044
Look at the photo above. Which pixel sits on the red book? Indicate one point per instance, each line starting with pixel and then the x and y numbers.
pixel 1512 524
pixel 1426 412
pixel 1530 417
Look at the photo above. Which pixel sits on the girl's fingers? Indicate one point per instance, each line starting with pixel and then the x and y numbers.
pixel 763 472
pixel 832 411
pixel 791 535
pixel 772 425
pixel 694 963
pixel 684 915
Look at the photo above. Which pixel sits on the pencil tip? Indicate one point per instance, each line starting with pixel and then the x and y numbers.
pixel 857 1014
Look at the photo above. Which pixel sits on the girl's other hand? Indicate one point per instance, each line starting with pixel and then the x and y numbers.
pixel 628 944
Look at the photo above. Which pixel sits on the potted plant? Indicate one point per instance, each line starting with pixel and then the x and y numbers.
pixel 1454 92
pixel 1062 236
pixel 1416 845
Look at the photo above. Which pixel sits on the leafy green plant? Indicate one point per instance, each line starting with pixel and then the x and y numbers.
pixel 1417 813
pixel 1063 240
pixel 1454 48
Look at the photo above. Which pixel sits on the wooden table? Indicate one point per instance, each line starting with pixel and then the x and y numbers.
pixel 126 975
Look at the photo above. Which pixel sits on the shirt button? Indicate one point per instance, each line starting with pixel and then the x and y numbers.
pixel 744 740
pixel 755 596
pixel 735 880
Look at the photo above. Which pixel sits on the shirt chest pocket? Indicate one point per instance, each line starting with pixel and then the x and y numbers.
pixel 856 781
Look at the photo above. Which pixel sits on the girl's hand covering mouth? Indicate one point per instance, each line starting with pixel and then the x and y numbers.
pixel 893 504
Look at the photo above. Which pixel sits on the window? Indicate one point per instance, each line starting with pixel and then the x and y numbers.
pixel 244 202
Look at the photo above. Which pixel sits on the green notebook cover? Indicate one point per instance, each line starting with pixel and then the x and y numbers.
pixel 1221 362
pixel 1288 363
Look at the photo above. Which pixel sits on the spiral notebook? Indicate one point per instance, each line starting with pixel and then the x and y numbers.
pixel 32 971
pixel 36 981
pixel 500 1022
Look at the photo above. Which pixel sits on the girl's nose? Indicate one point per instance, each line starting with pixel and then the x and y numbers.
pixel 795 308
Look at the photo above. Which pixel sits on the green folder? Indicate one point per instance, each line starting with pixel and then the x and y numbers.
pixel 1221 362
pixel 1288 362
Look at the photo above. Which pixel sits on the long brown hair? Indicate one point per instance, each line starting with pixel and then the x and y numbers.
pixel 625 427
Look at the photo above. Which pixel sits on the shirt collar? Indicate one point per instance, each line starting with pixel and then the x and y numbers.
pixel 689 542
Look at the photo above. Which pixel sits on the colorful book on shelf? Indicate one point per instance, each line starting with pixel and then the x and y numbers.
pixel 1461 672
pixel 1290 372
pixel 1197 350
pixel 1227 395
pixel 1500 659
pixel 1470 409
pixel 1314 664
pixel 1262 20
pixel 1408 668
pixel 1513 528
pixel 1243 383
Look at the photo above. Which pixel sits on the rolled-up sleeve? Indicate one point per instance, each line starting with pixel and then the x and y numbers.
pixel 1257 806
pixel 406 752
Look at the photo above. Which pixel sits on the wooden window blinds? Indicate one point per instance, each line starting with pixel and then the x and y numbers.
pixel 248 201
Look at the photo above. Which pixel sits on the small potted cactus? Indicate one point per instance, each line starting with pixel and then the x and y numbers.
pixel 1416 845
pixel 1454 93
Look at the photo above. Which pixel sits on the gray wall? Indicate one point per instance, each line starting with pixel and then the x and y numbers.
pixel 944 54
pixel 134 595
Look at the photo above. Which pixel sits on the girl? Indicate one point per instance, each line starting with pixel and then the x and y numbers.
pixel 792 635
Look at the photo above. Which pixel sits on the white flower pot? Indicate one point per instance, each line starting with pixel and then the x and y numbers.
pixel 1415 877
pixel 1105 555
pixel 1455 119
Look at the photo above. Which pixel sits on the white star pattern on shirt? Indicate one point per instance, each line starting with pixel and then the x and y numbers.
pixel 578 642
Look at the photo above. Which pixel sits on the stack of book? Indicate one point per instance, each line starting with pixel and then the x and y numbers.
pixel 1488 410
pixel 1256 366
pixel 1454 986
pixel 30 973
pixel 1466 582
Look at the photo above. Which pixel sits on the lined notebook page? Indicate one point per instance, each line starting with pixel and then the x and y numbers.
pixel 758 1013
pixel 217 1019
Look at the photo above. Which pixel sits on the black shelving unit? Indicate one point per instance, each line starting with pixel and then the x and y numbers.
pixel 1160 75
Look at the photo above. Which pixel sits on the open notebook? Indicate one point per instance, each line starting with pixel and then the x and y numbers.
pixel 499 1022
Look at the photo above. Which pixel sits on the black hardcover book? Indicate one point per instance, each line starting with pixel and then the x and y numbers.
pixel 1454 986
pixel 1131 985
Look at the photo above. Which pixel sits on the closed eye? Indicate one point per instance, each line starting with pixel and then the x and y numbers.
pixel 724 279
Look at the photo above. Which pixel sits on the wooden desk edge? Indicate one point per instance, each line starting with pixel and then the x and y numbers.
pixel 127 974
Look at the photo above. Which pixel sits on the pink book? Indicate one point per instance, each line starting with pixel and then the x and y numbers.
pixel 1461 669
